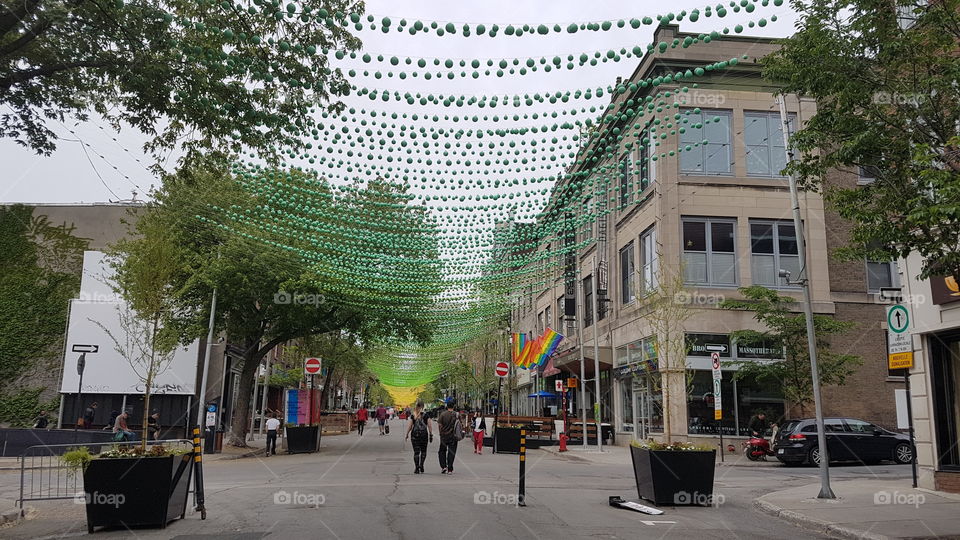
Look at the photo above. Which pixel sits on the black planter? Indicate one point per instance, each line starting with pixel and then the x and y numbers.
pixel 136 492
pixel 674 477
pixel 303 439
pixel 507 440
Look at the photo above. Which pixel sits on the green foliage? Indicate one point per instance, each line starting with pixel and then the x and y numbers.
pixel 886 100
pixel 22 408
pixel 39 273
pixel 678 446
pixel 211 70
pixel 788 329
pixel 76 460
pixel 136 451
pixel 285 377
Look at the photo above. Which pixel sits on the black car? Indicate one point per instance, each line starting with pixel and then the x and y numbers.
pixel 848 439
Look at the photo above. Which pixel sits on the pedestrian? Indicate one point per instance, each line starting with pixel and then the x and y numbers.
pixel 451 432
pixel 758 424
pixel 88 415
pixel 479 428
pixel 361 420
pixel 420 432
pixel 120 430
pixel 113 418
pixel 273 426
pixel 41 421
pixel 153 425
pixel 381 417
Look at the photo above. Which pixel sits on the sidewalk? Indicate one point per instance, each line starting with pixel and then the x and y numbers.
pixel 872 509
pixel 620 455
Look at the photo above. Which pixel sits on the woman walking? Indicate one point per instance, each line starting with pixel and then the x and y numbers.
pixel 479 427
pixel 419 431
pixel 361 420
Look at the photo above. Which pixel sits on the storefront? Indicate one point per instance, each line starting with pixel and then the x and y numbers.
pixel 945 375
pixel 639 410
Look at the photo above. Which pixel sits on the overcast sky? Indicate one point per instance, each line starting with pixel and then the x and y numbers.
pixel 93 163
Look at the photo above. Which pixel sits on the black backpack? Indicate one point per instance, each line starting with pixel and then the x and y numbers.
pixel 419 429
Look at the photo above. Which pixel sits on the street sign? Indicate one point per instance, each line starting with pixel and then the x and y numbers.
pixel 572 382
pixel 502 369
pixel 81 363
pixel 211 419
pixel 717 376
pixel 85 348
pixel 311 366
pixel 899 342
pixel 559 385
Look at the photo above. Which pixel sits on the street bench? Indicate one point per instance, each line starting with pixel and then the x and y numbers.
pixel 537 426
pixel 575 432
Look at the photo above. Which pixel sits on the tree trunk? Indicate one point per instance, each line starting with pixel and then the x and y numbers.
pixel 241 415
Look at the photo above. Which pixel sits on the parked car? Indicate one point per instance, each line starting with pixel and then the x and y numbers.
pixel 848 439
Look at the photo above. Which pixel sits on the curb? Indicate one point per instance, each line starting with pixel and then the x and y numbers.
pixel 565 455
pixel 813 524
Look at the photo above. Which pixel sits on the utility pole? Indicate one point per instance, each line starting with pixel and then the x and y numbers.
pixel 202 402
pixel 596 356
pixel 580 334
pixel 825 491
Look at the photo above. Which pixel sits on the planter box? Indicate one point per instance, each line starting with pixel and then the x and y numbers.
pixel 507 440
pixel 302 439
pixel 682 477
pixel 136 492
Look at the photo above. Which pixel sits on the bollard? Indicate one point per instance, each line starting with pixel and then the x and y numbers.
pixel 198 477
pixel 523 467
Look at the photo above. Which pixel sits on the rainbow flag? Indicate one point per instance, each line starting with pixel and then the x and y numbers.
pixel 519 344
pixel 529 350
pixel 546 345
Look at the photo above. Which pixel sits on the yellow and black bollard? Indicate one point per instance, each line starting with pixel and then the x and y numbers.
pixel 198 485
pixel 523 468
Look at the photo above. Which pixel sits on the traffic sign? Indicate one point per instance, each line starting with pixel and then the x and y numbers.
pixel 311 366
pixel 899 342
pixel 559 385
pixel 717 376
pixel 85 348
pixel 502 369
pixel 572 382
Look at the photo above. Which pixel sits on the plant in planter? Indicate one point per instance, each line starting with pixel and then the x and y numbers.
pixel 677 473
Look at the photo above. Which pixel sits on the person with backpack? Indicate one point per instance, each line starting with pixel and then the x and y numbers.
pixel 451 432
pixel 419 431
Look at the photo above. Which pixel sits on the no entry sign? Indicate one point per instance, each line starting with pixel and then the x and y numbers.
pixel 311 366
pixel 502 369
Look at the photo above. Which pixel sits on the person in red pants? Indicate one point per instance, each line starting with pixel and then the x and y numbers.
pixel 479 427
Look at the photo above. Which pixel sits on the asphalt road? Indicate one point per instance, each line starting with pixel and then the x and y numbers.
pixel 364 488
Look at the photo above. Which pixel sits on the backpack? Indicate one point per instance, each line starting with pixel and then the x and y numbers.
pixel 458 432
pixel 419 432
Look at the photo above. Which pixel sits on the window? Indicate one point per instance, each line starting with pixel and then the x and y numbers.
pixel 907 15
pixel 587 301
pixel 648 261
pixel 626 274
pixel 867 174
pixel 881 274
pixel 626 181
pixel 710 158
pixel 741 399
pixel 774 248
pixel 859 426
pixel 709 253
pixel 763 137
pixel 547 320
pixel 645 167
pixel 587 220
pixel 539 323
pixel 561 314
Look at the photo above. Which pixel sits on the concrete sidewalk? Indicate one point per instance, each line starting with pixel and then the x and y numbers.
pixel 872 509
pixel 620 455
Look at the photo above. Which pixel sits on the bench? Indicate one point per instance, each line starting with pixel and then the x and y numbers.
pixel 576 432
pixel 339 422
pixel 537 426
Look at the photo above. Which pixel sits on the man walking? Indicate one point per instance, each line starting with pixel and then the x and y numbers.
pixel 381 417
pixel 273 425
pixel 361 420
pixel 450 433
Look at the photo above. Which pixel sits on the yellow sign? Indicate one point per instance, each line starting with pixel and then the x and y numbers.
pixel 572 382
pixel 717 414
pixel 902 360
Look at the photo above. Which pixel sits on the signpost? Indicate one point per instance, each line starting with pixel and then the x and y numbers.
pixel 900 356
pixel 81 365
pixel 311 366
pixel 502 369
pixel 717 404
pixel 563 403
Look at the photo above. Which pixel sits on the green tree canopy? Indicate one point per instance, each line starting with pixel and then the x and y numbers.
pixel 884 76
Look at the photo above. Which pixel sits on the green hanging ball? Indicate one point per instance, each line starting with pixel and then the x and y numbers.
pixel 605 25
pixel 509 30
pixel 450 28
pixel 572 29
pixel 543 30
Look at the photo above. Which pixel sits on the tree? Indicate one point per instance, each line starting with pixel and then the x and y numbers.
pixel 260 273
pixel 212 73
pixel 884 75
pixel 788 329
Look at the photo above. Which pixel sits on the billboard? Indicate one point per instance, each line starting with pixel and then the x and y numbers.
pixel 106 371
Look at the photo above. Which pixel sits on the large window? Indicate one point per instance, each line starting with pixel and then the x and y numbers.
pixel 587 220
pixel 881 274
pixel 713 157
pixel 763 137
pixel 547 319
pixel 648 261
pixel 709 253
pixel 561 314
pixel 539 323
pixel 740 400
pixel 626 274
pixel 646 167
pixel 774 248
pixel 587 301
pixel 626 181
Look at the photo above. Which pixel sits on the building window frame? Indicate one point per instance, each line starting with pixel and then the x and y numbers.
pixel 771 145
pixel 709 253
pixel 627 270
pixel 649 261
pixel 705 117
pixel 891 268
pixel 778 256
pixel 626 173
pixel 587 285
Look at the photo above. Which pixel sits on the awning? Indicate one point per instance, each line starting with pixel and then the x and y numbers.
pixel 543 394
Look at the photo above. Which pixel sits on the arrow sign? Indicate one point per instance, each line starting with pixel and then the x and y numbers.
pixel 713 347
pixel 85 348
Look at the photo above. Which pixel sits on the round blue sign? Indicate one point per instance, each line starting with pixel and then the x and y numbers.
pixel 211 408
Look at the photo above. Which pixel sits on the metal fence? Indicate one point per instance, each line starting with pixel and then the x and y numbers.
pixel 45 477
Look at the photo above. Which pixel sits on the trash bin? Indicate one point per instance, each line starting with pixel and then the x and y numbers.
pixel 212 441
